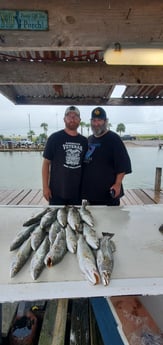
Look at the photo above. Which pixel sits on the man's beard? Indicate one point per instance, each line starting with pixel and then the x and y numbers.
pixel 99 130
pixel 72 126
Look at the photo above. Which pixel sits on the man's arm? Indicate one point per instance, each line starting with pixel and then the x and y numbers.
pixel 45 179
pixel 117 185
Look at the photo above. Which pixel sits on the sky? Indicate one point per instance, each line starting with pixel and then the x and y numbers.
pixel 16 120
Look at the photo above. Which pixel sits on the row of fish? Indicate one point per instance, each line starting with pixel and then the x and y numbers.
pixel 50 234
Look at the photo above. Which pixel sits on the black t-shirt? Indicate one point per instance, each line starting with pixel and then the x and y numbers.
pixel 66 154
pixel 106 157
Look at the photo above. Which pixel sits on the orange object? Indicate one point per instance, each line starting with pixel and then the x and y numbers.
pixel 137 323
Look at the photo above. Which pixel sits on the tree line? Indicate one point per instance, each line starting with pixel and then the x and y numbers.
pixel 120 127
pixel 43 136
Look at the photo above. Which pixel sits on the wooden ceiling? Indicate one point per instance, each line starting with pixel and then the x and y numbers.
pixel 64 65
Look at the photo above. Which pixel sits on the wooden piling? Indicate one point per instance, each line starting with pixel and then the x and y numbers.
pixel 158 179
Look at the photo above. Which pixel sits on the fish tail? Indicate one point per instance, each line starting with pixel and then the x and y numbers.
pixel 108 234
pixel 85 202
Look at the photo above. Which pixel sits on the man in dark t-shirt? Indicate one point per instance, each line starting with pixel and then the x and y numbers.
pixel 106 163
pixel 63 160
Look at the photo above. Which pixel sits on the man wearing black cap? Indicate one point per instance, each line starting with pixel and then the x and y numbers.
pixel 62 163
pixel 106 163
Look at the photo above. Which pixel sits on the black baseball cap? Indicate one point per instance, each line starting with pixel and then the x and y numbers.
pixel 98 113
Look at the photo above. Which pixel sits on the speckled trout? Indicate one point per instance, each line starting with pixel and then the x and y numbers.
pixel 73 218
pixel 53 230
pixel 21 257
pixel 21 236
pixel 36 218
pixel 86 215
pixel 90 236
pixel 37 262
pixel 48 218
pixel 57 250
pixel 71 239
pixel 37 237
pixel 62 216
pixel 87 262
pixel 104 257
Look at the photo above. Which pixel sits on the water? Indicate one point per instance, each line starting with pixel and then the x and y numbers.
pixel 20 170
pixel 23 169
pixel 144 162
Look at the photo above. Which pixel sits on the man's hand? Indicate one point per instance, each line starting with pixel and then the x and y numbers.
pixel 117 185
pixel 47 193
pixel 117 189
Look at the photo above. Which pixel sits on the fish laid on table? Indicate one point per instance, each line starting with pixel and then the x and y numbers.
pixel 21 257
pixel 71 239
pixel 104 257
pixel 36 218
pixel 21 236
pixel 53 230
pixel 48 218
pixel 37 237
pixel 62 216
pixel 87 262
pixel 57 250
pixel 37 262
pixel 90 236
pixel 73 218
pixel 86 215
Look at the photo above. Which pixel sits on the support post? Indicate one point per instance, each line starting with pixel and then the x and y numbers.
pixel 158 179
pixel 0 323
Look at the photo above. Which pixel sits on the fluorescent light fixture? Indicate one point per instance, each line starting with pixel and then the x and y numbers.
pixel 119 55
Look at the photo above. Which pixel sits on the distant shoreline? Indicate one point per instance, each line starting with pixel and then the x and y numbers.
pixel 14 149
pixel 151 143
pixel 128 143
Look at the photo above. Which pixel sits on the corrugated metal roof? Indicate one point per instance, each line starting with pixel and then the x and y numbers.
pixel 69 93
pixel 143 91
pixel 47 56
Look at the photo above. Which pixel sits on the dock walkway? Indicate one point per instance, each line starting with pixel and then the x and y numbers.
pixel 35 197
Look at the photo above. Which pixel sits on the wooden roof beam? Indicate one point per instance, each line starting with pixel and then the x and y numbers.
pixel 21 73
pixel 86 25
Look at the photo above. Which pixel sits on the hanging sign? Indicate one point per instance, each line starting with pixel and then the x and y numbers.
pixel 23 20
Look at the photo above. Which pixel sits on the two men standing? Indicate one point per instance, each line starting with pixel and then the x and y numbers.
pixel 74 169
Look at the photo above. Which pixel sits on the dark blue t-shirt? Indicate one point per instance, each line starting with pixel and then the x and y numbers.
pixel 106 157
